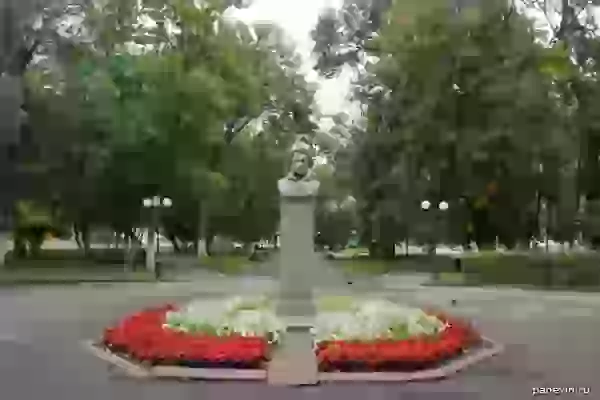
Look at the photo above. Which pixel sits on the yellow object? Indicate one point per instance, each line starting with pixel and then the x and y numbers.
pixel 481 202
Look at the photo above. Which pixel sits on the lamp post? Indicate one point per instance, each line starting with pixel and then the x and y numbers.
pixel 578 221
pixel 425 206
pixel 154 204
pixel 442 207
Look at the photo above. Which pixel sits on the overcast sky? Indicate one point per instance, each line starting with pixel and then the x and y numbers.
pixel 298 18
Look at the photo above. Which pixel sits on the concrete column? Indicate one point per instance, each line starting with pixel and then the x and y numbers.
pixel 295 362
pixel 297 257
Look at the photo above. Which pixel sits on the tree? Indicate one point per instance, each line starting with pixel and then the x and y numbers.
pixel 341 36
pixel 18 43
pixel 463 103
pixel 576 32
pixel 173 131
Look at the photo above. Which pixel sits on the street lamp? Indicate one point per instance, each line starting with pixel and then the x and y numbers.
pixel 442 206
pixel 154 204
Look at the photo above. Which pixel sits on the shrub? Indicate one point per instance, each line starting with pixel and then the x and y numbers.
pixel 74 257
pixel 563 270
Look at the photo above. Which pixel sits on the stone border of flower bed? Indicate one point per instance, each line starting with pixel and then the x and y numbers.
pixel 488 349
pixel 137 370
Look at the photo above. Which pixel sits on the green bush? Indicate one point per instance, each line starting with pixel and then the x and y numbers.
pixel 432 263
pixel 538 270
pixel 410 263
pixel 226 264
pixel 34 223
pixel 73 257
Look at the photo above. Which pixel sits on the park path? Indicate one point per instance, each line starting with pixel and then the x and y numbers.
pixel 550 337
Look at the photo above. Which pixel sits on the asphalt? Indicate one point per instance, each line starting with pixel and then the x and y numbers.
pixel 550 338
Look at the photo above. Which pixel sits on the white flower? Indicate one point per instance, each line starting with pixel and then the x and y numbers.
pixel 374 319
pixel 248 317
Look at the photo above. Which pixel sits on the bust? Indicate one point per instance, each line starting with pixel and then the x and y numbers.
pixel 300 181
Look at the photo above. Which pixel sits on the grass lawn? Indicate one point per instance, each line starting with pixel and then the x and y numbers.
pixel 334 303
pixel 352 252
pixel 451 278
pixel 57 275
pixel 366 266
pixel 226 264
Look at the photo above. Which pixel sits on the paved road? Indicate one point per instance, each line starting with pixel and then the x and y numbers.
pixel 550 341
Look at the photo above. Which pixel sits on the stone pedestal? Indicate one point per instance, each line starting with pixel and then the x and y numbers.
pixel 297 257
pixel 295 363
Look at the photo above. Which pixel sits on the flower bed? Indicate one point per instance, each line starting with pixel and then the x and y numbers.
pixel 349 336
pixel 381 336
pixel 239 337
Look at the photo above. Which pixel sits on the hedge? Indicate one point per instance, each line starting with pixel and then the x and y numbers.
pixel 410 263
pixel 68 257
pixel 564 270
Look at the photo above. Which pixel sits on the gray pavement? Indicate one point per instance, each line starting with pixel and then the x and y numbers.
pixel 551 341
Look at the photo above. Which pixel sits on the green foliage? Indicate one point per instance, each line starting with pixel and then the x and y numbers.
pixel 117 125
pixel 341 35
pixel 226 264
pixel 366 267
pixel 31 214
pixel 464 101
pixel 400 332
pixel 538 270
pixel 34 223
pixel 591 225
pixel 335 303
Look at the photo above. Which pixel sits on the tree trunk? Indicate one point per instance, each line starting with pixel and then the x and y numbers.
pixel 135 245
pixel 538 210
pixel 201 246
pixel 173 239
pixel 4 247
pixel 387 249
pixel 209 242
pixel 129 253
pixel 77 236
pixel 20 246
pixel 85 239
pixel 36 239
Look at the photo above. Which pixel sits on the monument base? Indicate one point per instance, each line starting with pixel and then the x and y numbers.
pixel 295 362
pixel 301 305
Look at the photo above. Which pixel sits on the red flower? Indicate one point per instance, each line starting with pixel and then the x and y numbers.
pixel 412 352
pixel 143 337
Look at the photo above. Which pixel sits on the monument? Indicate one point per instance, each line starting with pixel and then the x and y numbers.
pixel 297 192
pixel 448 345
pixel 295 362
